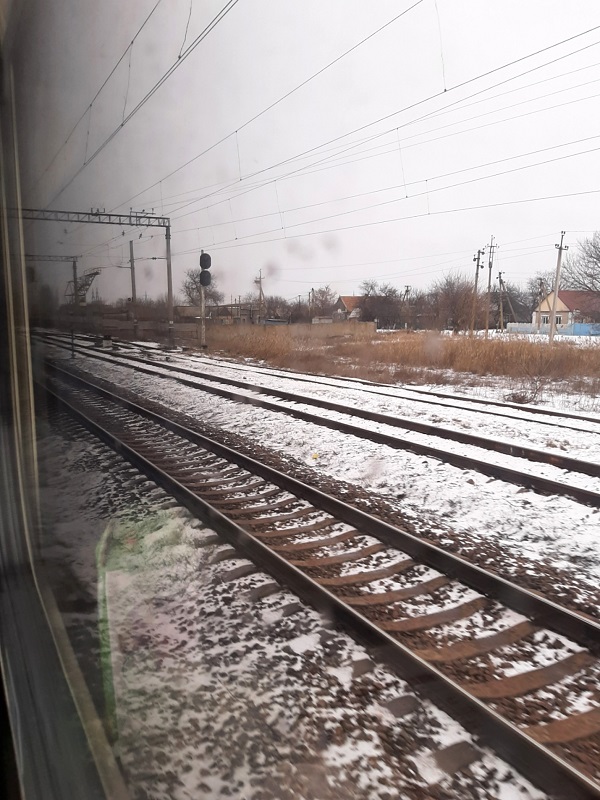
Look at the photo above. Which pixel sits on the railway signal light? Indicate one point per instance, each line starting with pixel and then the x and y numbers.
pixel 205 262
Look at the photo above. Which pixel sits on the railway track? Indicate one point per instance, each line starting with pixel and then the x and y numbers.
pixel 415 394
pixel 518 670
pixel 560 474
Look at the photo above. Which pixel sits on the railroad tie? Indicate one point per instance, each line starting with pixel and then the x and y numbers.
pixel 398 594
pixel 356 578
pixel 233 574
pixel 578 726
pixel 299 530
pixel 243 489
pixel 342 558
pixel 265 522
pixel 529 681
pixel 476 647
pixel 223 497
pixel 437 618
pixel 265 508
pixel 314 544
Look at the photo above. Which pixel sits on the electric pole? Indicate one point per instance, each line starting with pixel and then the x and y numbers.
pixel 75 306
pixel 170 314
pixel 478 266
pixel 205 280
pixel 261 297
pixel 500 301
pixel 492 246
pixel 560 247
pixel 133 295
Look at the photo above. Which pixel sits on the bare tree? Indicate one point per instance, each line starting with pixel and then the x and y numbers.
pixel 191 289
pixel 451 301
pixel 516 303
pixel 381 302
pixel 581 269
pixel 276 307
pixel 323 301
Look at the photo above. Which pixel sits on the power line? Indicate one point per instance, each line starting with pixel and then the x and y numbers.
pixel 392 150
pixel 88 108
pixel 426 192
pixel 393 147
pixel 395 113
pixel 272 105
pixel 223 246
pixel 410 183
pixel 210 27
pixel 432 115
pixel 391 130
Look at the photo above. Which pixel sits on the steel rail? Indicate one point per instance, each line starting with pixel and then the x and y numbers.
pixel 544 612
pixel 541 766
pixel 426 394
pixel 508 474
pixel 497 445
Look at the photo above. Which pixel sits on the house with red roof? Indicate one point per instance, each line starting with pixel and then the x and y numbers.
pixel 347 307
pixel 572 307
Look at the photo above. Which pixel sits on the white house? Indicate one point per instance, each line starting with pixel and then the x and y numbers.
pixel 571 306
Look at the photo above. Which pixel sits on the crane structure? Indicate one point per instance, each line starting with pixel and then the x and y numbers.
pixel 84 283
pixel 96 216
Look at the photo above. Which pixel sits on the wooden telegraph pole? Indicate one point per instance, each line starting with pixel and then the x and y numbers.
pixel 479 266
pixel 133 295
pixel 560 249
pixel 492 246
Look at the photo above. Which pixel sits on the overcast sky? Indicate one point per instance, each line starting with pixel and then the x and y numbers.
pixel 321 141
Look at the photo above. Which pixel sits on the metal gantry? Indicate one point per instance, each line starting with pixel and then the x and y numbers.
pixel 98 217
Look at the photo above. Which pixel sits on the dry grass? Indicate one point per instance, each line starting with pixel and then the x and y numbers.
pixel 417 357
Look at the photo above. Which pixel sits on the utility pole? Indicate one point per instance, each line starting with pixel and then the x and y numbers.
pixel 478 266
pixel 133 295
pixel 492 246
pixel 261 297
pixel 75 306
pixel 171 332
pixel 500 301
pixel 560 249
pixel 203 313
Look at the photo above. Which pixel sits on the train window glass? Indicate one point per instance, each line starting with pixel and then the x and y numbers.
pixel 178 177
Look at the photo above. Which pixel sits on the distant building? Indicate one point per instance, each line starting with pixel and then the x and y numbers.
pixel 572 307
pixel 347 307
pixel 227 314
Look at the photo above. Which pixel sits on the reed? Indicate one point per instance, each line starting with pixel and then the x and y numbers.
pixel 417 357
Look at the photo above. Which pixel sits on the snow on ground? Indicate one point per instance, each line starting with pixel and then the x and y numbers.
pixel 216 693
pixel 431 494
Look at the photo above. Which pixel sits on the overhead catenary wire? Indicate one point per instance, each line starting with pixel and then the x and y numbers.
pixel 303 170
pixel 408 217
pixel 88 108
pixel 432 115
pixel 441 188
pixel 416 104
pixel 425 193
pixel 210 27
pixel 275 103
pixel 409 183
pixel 392 148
